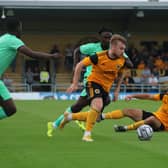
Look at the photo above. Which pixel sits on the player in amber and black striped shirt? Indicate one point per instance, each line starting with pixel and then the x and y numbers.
pixel 106 66
pixel 157 120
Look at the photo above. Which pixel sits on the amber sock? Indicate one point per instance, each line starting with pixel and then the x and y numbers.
pixel 135 125
pixel 116 114
pixel 82 116
pixel 91 119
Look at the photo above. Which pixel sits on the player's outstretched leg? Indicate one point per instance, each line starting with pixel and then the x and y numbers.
pixel 133 126
pixel 53 125
pixel 8 107
pixel 78 106
pixel 67 118
pixel 82 116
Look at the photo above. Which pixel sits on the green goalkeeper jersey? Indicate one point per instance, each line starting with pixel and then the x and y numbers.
pixel 9 45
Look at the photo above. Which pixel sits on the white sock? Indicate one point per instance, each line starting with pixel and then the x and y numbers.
pixel 53 124
pixel 103 116
pixel 87 133
pixel 69 117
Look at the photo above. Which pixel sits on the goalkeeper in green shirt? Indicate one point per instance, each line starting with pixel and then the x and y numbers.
pixel 10 45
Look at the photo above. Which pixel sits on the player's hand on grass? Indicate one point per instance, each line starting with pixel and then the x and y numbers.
pixel 128 98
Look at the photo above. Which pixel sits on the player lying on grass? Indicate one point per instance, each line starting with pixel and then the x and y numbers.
pixel 10 45
pixel 106 65
pixel 157 120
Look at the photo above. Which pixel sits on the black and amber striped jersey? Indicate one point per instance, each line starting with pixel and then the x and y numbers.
pixel 104 69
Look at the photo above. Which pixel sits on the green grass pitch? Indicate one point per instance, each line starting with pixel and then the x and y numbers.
pixel 24 144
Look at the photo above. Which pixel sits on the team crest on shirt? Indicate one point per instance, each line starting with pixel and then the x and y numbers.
pixel 97 91
pixel 118 66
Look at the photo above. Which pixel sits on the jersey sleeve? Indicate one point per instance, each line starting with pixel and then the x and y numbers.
pixel 87 49
pixel 90 60
pixel 94 59
pixel 86 61
pixel 16 43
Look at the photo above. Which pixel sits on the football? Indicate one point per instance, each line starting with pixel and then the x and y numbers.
pixel 145 132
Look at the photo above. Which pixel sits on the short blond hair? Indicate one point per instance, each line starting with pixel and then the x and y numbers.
pixel 117 37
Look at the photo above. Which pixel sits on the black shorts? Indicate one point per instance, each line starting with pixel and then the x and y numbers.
pixel 148 114
pixel 95 90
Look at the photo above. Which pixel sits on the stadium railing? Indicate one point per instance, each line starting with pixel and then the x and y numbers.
pixel 140 88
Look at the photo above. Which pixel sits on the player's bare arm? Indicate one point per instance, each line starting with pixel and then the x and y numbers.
pixel 35 54
pixel 76 57
pixel 140 96
pixel 76 77
pixel 119 82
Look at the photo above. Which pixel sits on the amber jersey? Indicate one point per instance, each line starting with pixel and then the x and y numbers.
pixel 104 69
pixel 162 112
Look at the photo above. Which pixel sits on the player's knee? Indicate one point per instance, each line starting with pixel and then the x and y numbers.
pixel 133 114
pixel 150 120
pixel 10 111
pixel 153 122
pixel 98 107
pixel 127 112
